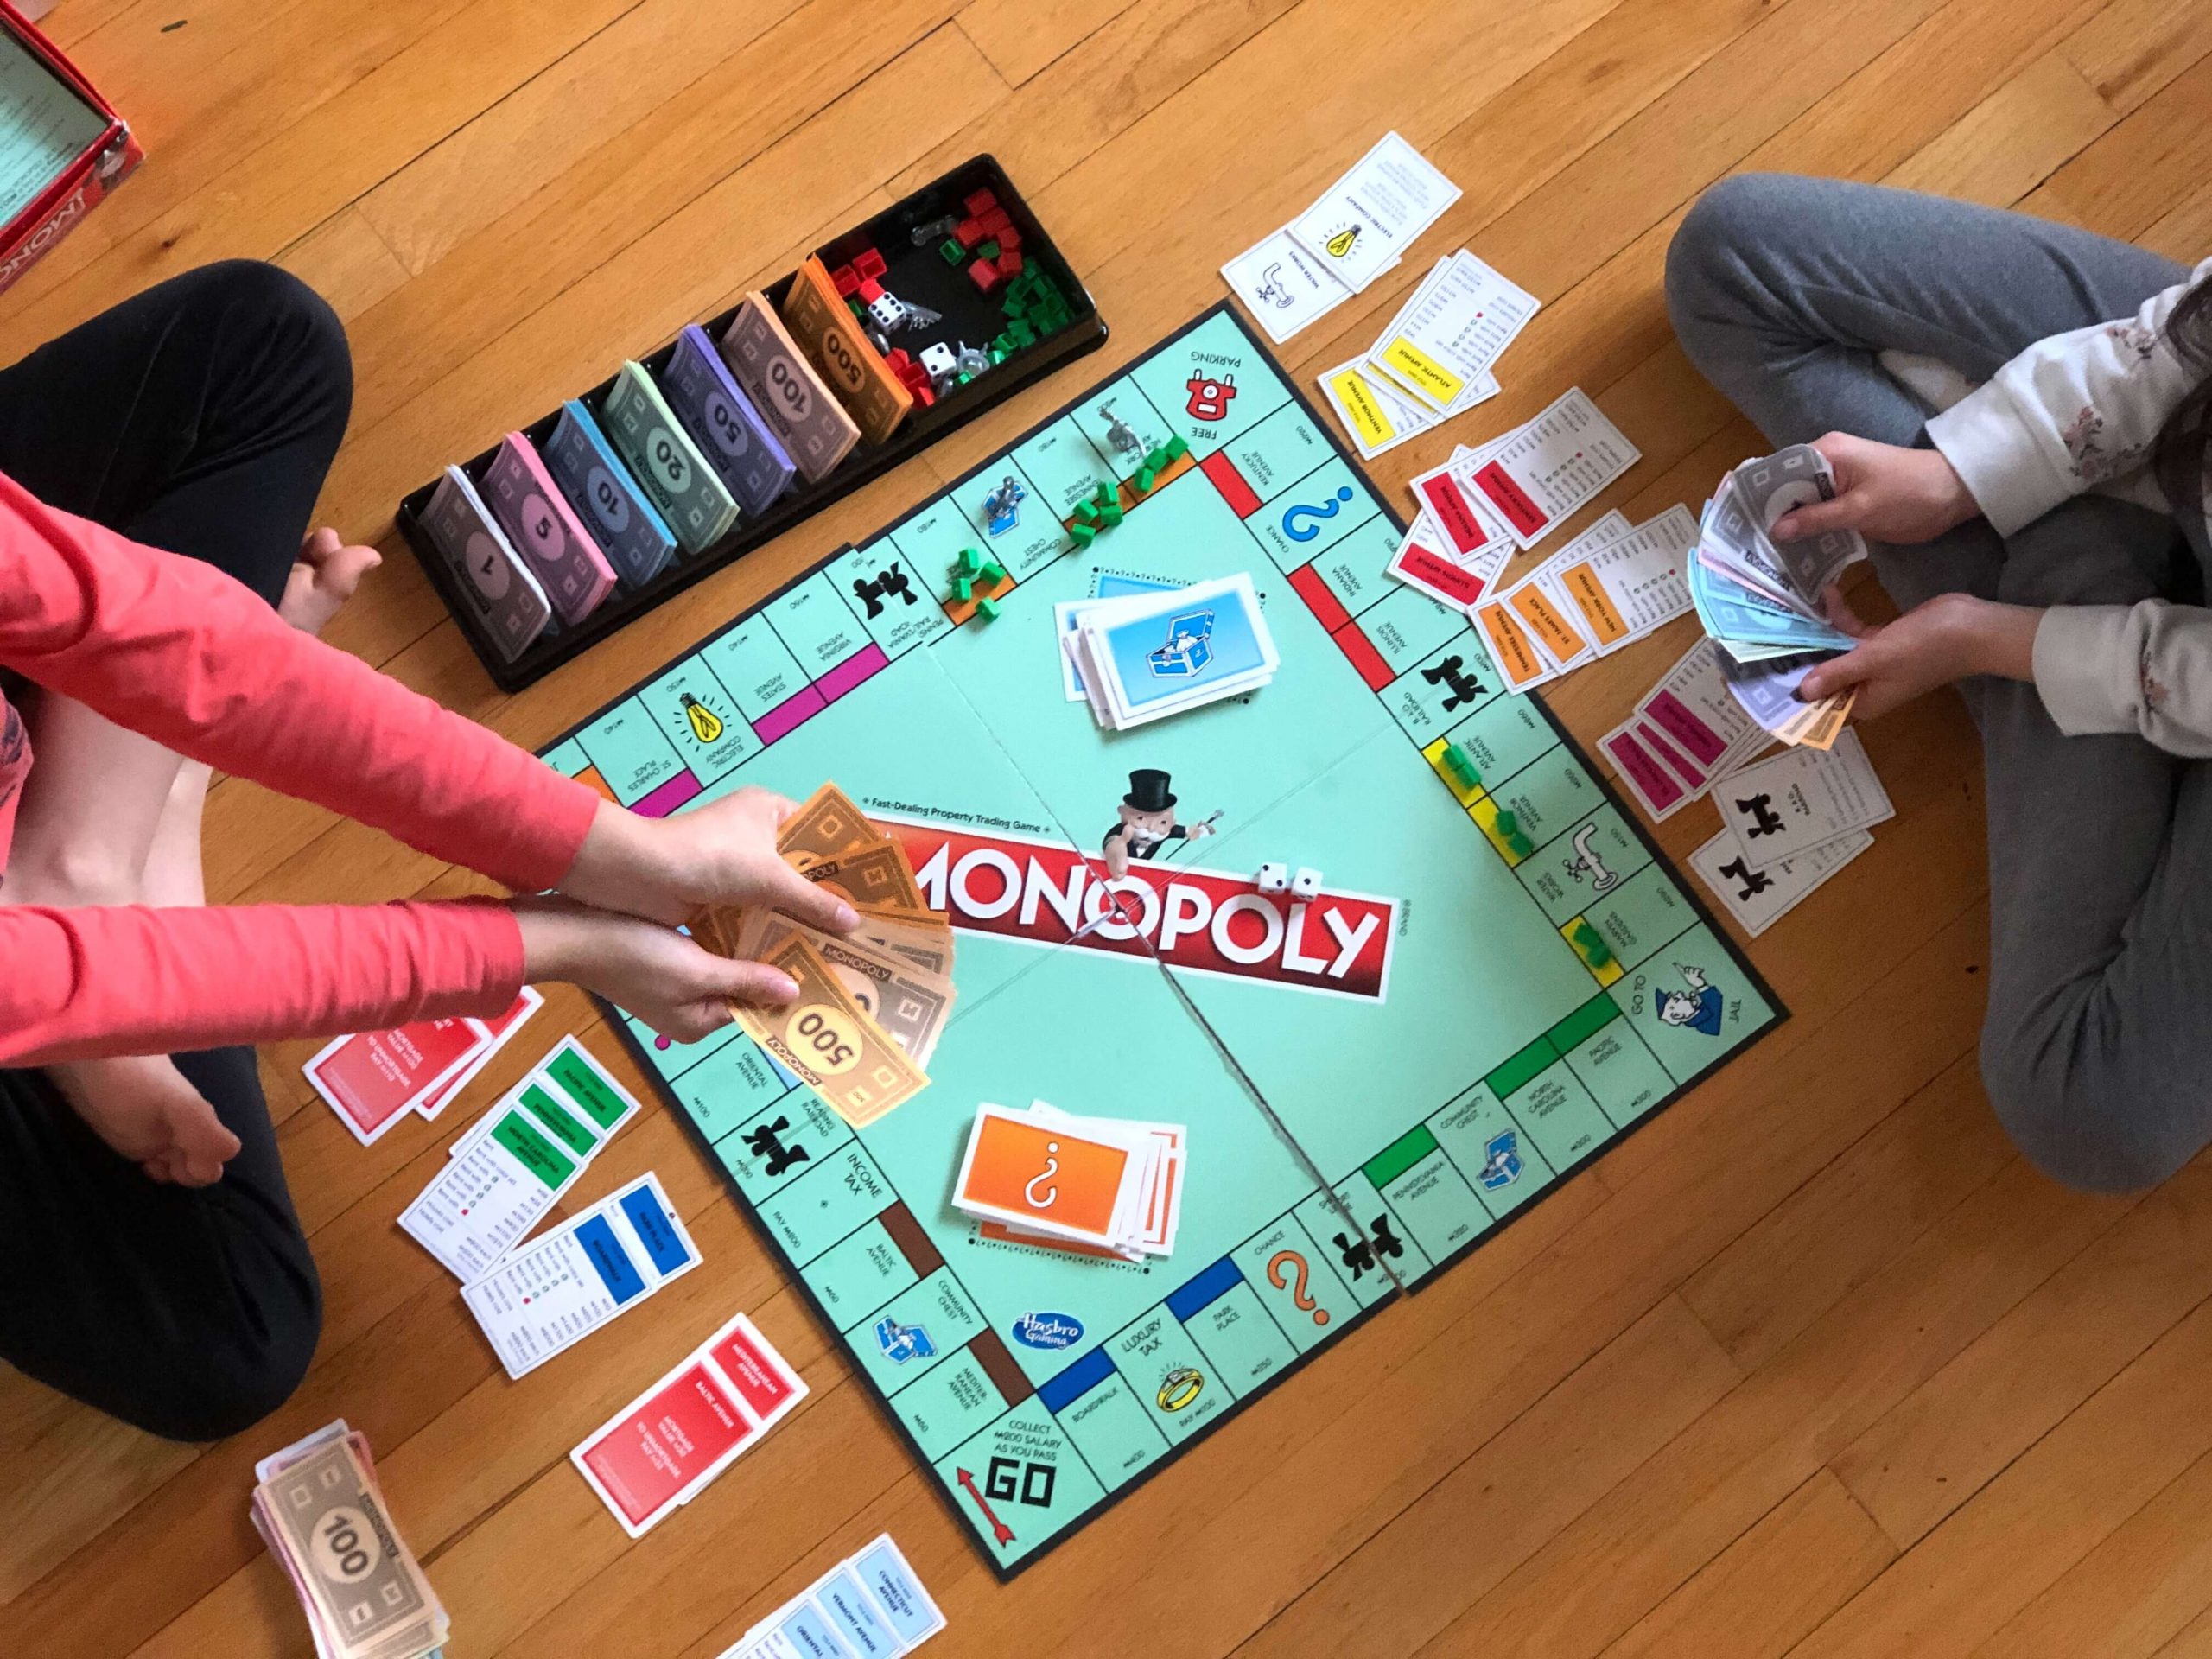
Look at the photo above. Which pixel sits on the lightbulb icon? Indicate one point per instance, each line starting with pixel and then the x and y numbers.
pixel 706 724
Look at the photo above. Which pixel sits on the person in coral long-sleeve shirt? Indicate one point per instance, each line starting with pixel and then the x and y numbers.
pixel 159 596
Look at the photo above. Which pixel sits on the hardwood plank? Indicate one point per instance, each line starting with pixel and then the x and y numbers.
pixel 2135 1592
pixel 623 77
pixel 1590 1431
pixel 346 261
pixel 2136 173
pixel 1849 1223
pixel 1760 1595
pixel 2131 49
pixel 1935 1449
pixel 1020 37
pixel 2013 139
pixel 285 113
pixel 204 98
pixel 1655 1530
pixel 2051 1507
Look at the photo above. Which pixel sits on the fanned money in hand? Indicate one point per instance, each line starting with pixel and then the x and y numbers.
pixel 322 1515
pixel 871 1003
pixel 1763 600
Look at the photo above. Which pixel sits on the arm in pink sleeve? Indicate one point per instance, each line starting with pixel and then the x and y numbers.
pixel 173 649
pixel 140 981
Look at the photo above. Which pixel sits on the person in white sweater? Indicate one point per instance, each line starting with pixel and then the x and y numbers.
pixel 2016 412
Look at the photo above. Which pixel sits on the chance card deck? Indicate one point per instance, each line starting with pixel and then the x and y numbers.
pixel 690 493
pixel 492 579
pixel 661 1449
pixel 554 1292
pixel 810 422
pixel 637 540
pixel 545 528
pixel 715 410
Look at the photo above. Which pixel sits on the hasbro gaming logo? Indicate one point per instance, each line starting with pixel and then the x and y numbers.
pixel 1048 1330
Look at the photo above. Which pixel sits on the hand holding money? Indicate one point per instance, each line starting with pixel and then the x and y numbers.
pixel 1899 496
pixel 872 1001
pixel 724 852
pixel 1951 638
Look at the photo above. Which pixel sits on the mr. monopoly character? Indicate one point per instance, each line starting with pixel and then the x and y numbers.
pixel 1145 822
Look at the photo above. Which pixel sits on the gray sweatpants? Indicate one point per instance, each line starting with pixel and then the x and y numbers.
pixel 2097 1046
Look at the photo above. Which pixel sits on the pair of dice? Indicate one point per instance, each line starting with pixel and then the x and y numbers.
pixel 1277 878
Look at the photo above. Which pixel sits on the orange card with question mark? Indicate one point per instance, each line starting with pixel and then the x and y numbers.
pixel 1043 1175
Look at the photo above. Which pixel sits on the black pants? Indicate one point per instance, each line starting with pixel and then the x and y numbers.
pixel 198 417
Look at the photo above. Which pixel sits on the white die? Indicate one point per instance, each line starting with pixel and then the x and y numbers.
pixel 939 359
pixel 1307 883
pixel 1274 877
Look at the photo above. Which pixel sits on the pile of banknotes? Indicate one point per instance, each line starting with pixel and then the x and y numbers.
pixel 873 1003
pixel 320 1511
pixel 1763 600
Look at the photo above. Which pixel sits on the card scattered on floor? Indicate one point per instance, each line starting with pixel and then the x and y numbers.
pixel 1687 731
pixel 660 1451
pixel 1359 228
pixel 1763 600
pixel 873 1003
pixel 1798 801
pixel 368 1599
pixel 1760 898
pixel 504 1174
pixel 373 1079
pixel 1433 360
pixel 1108 1184
pixel 558 1289
pixel 1146 656
pixel 868 1606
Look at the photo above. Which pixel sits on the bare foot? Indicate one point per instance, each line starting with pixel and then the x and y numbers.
pixel 146 1109
pixel 323 578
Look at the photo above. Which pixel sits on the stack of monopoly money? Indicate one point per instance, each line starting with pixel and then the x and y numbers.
pixel 320 1511
pixel 1144 657
pixel 1762 600
pixel 871 1003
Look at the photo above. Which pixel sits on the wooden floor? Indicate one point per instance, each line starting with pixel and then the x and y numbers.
pixel 1814 1365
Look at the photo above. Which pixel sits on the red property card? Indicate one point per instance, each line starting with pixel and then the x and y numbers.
pixel 659 1452
pixel 644 1461
pixel 370 1079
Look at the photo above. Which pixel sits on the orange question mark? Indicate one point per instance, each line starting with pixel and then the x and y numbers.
pixel 1301 1295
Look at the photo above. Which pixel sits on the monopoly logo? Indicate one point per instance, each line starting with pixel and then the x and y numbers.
pixel 1202 920
pixel 1048 1330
